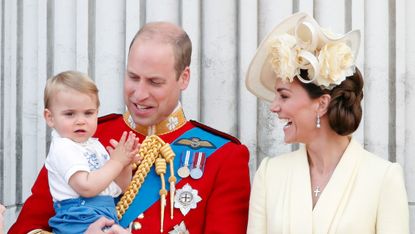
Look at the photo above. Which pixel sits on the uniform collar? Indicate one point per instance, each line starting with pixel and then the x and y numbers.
pixel 173 122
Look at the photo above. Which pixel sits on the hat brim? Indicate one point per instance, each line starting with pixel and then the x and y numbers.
pixel 260 77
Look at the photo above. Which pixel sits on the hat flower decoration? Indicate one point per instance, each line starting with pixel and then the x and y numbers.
pixel 299 43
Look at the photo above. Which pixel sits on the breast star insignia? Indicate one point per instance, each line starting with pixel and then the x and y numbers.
pixel 179 229
pixel 186 199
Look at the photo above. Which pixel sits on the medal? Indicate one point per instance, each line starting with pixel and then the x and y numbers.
pixel 184 171
pixel 198 166
pixel 196 173
pixel 186 198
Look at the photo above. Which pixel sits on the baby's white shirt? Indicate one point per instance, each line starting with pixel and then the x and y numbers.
pixel 67 157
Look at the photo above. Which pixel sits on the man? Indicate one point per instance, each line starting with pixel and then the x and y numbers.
pixel 211 168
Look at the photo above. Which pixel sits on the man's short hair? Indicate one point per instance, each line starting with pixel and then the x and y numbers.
pixel 172 34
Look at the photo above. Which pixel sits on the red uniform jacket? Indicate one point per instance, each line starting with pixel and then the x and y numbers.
pixel 224 189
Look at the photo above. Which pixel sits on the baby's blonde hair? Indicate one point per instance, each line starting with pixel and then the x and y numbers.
pixel 70 79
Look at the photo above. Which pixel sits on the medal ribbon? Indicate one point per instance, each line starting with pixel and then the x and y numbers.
pixel 187 158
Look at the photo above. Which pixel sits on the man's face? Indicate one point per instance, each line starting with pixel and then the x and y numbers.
pixel 151 87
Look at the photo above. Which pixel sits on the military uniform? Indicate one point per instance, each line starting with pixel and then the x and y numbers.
pixel 217 202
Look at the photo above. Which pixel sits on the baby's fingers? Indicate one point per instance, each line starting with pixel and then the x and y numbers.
pixel 110 149
pixel 136 143
pixel 131 141
pixel 123 138
pixel 114 143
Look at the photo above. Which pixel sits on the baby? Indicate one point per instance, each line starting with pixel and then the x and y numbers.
pixel 83 178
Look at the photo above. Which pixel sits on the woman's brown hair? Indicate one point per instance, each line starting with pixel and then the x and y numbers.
pixel 345 109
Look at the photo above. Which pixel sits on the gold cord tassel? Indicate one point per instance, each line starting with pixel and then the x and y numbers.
pixel 161 170
pixel 168 154
pixel 152 148
pixel 149 151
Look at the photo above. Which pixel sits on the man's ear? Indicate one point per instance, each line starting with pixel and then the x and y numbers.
pixel 323 104
pixel 184 78
pixel 48 117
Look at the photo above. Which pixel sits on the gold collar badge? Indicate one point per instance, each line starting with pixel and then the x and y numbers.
pixel 175 121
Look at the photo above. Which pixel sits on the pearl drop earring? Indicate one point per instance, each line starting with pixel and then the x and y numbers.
pixel 318 121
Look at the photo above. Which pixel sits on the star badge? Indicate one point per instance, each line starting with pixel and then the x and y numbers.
pixel 179 229
pixel 186 198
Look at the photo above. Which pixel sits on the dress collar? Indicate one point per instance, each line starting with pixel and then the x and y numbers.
pixel 173 122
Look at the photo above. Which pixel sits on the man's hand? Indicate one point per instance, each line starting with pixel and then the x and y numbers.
pixel 100 227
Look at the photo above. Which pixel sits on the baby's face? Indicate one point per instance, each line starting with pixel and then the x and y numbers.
pixel 73 114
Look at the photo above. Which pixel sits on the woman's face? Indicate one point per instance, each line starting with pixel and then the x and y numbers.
pixel 296 109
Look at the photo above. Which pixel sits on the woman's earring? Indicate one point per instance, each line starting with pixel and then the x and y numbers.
pixel 318 121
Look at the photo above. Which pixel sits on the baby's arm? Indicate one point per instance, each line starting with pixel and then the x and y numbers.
pixel 89 184
pixel 124 178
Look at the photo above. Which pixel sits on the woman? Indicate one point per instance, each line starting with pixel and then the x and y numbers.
pixel 331 184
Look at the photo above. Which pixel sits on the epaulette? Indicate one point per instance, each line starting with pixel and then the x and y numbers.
pixel 108 117
pixel 216 132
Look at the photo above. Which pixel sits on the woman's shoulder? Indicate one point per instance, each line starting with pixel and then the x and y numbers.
pixel 377 162
pixel 378 167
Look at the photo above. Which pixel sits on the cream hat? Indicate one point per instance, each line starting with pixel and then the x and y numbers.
pixel 299 43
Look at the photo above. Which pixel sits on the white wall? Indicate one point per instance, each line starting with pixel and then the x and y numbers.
pixel 40 38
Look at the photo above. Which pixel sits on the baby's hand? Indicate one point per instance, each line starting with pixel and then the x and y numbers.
pixel 125 150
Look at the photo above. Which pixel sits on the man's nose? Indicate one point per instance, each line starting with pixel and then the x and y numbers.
pixel 141 91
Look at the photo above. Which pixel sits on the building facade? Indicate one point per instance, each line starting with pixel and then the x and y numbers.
pixel 40 38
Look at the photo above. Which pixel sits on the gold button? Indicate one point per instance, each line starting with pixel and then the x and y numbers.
pixel 137 225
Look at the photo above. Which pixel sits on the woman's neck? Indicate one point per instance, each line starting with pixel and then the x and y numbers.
pixel 325 152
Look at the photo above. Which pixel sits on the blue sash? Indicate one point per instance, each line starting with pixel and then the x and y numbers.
pixel 149 191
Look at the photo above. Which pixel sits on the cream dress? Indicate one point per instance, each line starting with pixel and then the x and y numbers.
pixel 365 194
